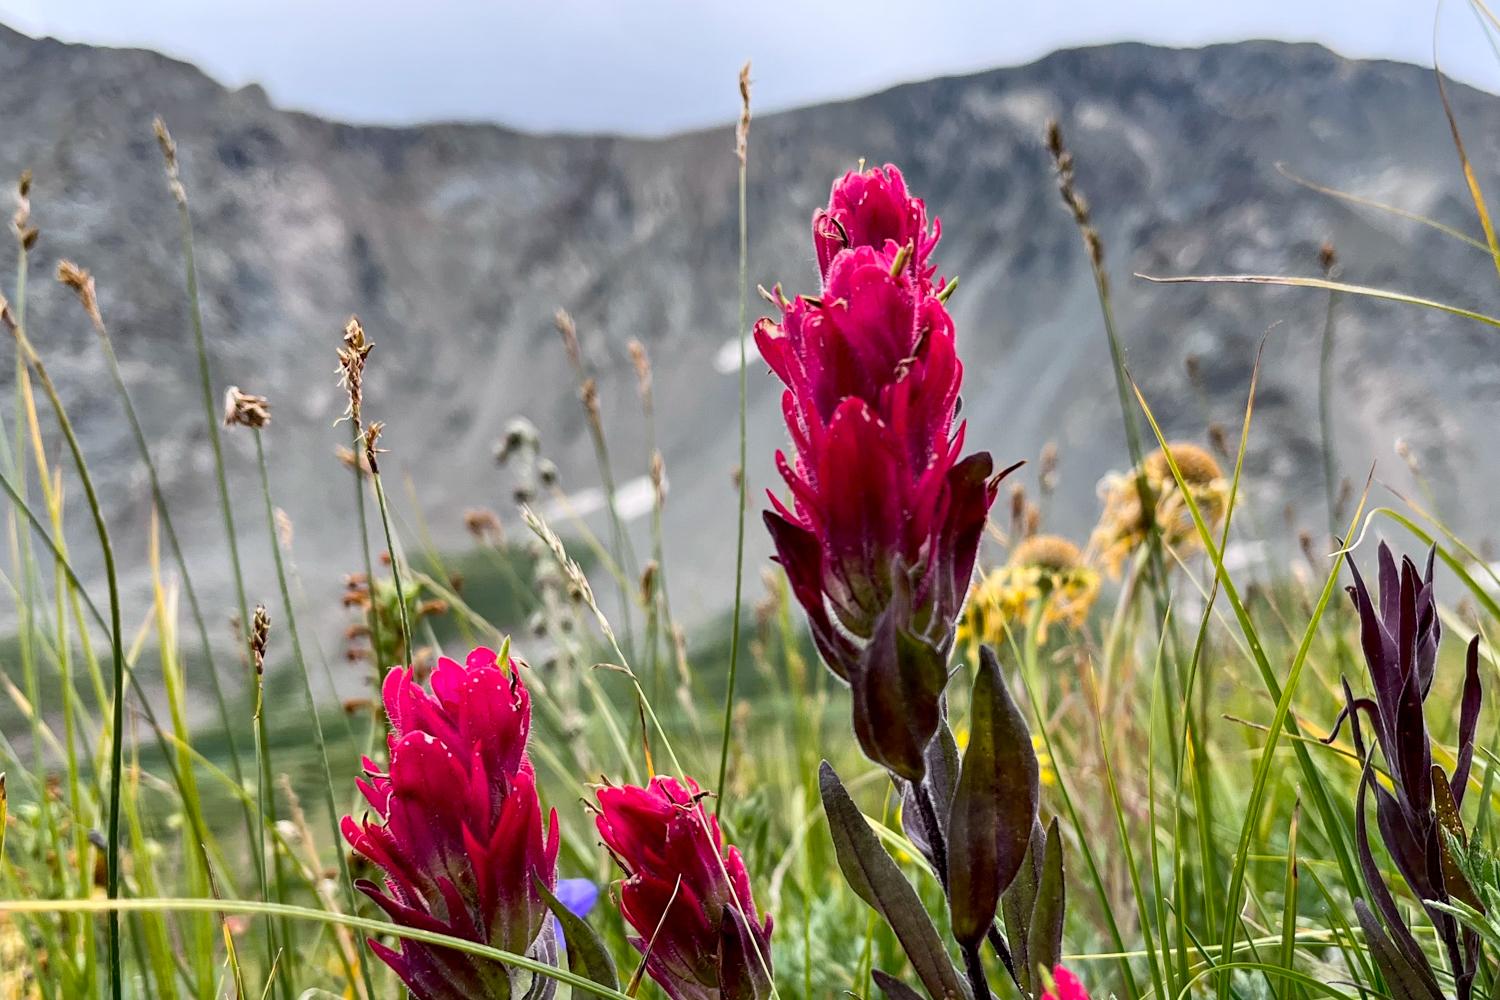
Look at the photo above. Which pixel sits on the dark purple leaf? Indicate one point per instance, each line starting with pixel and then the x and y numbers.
pixel 897 695
pixel 1468 722
pixel 587 955
pixel 875 878
pixel 1017 902
pixel 994 806
pixel 1044 936
pixel 893 988
pixel 1404 981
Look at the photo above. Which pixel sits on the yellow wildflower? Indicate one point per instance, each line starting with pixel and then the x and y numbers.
pixel 1045 574
pixel 1122 528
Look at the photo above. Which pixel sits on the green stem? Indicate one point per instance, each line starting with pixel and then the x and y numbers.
pixel 739 548
pixel 226 509
pixel 117 651
pixel 1325 414
pixel 312 704
pixel 196 609
pixel 390 546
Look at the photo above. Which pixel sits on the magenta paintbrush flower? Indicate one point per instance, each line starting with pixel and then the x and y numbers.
pixel 1065 986
pixel 686 896
pixel 458 830
pixel 885 517
pixel 873 209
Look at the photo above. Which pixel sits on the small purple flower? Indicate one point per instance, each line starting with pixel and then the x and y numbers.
pixel 578 894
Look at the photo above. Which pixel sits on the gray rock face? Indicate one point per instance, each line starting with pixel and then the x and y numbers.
pixel 455 243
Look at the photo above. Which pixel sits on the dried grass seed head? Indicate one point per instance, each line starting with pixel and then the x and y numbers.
pixel 260 635
pixel 569 332
pixel 81 282
pixel 356 347
pixel 244 409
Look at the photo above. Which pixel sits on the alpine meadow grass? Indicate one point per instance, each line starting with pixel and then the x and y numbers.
pixel 939 752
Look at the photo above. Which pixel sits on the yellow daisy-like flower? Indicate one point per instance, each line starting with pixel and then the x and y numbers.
pixel 1123 528
pixel 1044 572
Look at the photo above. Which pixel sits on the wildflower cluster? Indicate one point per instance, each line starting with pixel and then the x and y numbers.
pixel 457 827
pixel 879 542
pixel 687 897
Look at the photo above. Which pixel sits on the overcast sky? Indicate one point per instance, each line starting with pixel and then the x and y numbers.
pixel 652 66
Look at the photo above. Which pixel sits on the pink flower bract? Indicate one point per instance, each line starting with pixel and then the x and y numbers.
pixel 457 827
pixel 686 896
pixel 885 518
pixel 873 209
pixel 1065 986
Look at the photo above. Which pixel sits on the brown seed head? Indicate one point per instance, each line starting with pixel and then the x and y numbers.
pixel 589 393
pixel 742 130
pixel 1328 257
pixel 169 160
pixel 82 283
pixel 167 145
pixel 659 478
pixel 1305 542
pixel 648 582
pixel 356 347
pixel 25 231
pixel 569 332
pixel 372 434
pixel 245 409
pixel 484 525
pixel 1017 502
pixel 260 635
pixel 283 528
pixel 642 369
pixel 1054 140
pixel 1218 437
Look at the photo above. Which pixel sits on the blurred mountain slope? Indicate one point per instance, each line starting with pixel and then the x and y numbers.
pixel 456 242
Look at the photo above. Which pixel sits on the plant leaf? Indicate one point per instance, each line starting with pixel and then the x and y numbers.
pixel 587 955
pixel 994 805
pixel 1018 901
pixel 897 694
pixel 893 988
pixel 1044 936
pixel 875 878
pixel 1403 981
pixel 938 782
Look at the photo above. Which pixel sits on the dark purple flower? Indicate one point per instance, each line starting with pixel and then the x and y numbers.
pixel 1400 638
